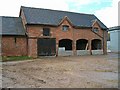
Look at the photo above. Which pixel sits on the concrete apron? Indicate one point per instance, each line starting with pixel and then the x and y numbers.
pixel 83 52
pixel 79 52
pixel 97 52
pixel 65 53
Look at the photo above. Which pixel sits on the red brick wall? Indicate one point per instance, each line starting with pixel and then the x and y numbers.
pixel 32 47
pixel 10 48
pixel 35 32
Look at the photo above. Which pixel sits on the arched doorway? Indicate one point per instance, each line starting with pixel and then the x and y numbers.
pixel 82 47
pixel 66 43
pixel 82 44
pixel 96 44
pixel 65 47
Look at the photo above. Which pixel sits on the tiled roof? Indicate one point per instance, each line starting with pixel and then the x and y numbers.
pixel 53 17
pixel 11 26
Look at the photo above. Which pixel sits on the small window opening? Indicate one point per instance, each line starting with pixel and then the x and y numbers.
pixel 65 27
pixel 15 40
pixel 46 31
pixel 95 29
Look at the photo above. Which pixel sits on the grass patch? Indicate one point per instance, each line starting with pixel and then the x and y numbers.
pixel 98 70
pixel 15 58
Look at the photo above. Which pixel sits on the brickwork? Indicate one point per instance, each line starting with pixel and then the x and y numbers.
pixel 12 47
pixel 28 46
pixel 74 34
pixel 32 47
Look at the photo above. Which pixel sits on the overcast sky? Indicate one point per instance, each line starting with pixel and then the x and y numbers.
pixel 105 10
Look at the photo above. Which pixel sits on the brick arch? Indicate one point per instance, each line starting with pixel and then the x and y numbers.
pixel 65 38
pixel 82 38
pixel 96 38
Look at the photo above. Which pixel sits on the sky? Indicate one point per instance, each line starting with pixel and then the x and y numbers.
pixel 105 10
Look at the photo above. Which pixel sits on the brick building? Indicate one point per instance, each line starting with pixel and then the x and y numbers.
pixel 43 32
pixel 14 41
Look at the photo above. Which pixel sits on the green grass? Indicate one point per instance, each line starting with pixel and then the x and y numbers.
pixel 99 70
pixel 15 58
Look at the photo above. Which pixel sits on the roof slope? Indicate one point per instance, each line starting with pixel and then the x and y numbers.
pixel 11 26
pixel 53 17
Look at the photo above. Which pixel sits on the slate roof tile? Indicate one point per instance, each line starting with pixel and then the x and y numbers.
pixel 53 17
pixel 11 26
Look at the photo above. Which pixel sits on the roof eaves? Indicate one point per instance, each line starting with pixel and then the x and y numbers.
pixel 10 34
pixel 44 24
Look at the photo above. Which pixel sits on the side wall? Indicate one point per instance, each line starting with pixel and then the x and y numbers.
pixel 114 40
pixel 14 47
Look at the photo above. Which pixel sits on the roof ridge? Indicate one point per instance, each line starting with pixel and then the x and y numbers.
pixel 56 10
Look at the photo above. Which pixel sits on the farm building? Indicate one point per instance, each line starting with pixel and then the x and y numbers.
pixel 114 38
pixel 44 32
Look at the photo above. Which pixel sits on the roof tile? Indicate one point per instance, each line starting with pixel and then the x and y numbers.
pixel 53 17
pixel 11 26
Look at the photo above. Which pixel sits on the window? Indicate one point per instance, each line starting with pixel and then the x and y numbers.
pixel 46 31
pixel 65 27
pixel 15 40
pixel 95 29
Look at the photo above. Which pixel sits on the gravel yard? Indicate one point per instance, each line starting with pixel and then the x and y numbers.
pixel 100 71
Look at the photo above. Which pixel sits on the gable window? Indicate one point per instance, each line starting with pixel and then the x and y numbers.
pixel 95 29
pixel 65 27
pixel 46 31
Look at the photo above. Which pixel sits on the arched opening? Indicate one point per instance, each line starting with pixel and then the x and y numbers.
pixel 96 44
pixel 82 44
pixel 66 43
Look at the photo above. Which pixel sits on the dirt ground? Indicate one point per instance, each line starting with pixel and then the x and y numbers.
pixel 99 71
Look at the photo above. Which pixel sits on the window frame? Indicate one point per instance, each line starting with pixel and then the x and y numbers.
pixel 46 31
pixel 65 28
pixel 95 29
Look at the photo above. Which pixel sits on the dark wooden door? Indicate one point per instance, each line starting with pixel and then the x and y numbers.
pixel 46 46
